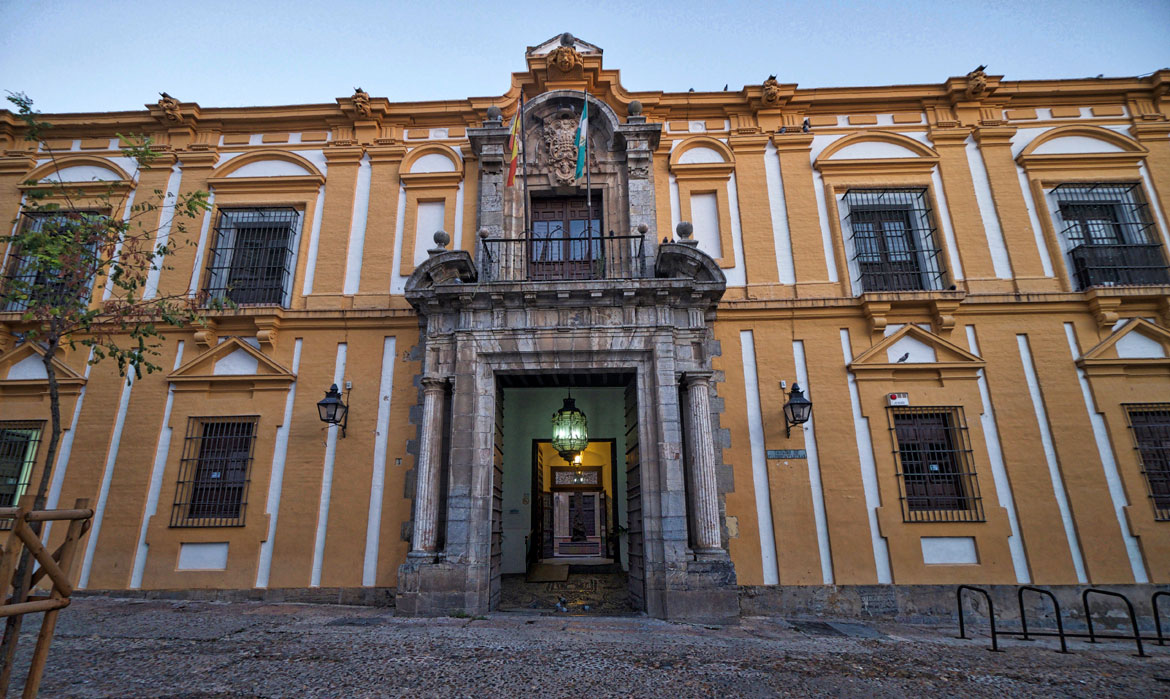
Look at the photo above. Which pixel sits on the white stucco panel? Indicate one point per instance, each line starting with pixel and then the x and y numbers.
pixel 1076 144
pixel 873 149
pixel 238 363
pixel 949 550
pixel 213 556
pixel 919 352
pixel 31 367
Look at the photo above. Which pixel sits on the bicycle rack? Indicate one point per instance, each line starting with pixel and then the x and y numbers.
pixel 1027 635
pixel 990 613
pixel 1055 607
pixel 1157 617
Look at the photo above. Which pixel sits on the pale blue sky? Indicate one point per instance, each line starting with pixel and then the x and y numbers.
pixel 96 55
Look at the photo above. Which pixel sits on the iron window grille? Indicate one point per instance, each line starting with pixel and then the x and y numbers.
pixel 1150 425
pixel 1109 235
pixel 215 472
pixel 22 280
pixel 252 262
pixel 894 244
pixel 19 442
pixel 935 469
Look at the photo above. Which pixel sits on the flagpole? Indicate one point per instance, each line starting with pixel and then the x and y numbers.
pixel 588 178
pixel 524 166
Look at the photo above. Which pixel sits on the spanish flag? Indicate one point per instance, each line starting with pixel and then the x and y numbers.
pixel 514 143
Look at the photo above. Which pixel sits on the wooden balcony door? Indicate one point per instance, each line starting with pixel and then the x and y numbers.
pixel 564 244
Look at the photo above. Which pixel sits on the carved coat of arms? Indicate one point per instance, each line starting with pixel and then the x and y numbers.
pixel 560 148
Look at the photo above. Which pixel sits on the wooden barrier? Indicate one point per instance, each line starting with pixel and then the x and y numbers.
pixel 54 565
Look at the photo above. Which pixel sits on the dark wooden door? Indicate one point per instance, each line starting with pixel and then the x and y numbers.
pixel 566 239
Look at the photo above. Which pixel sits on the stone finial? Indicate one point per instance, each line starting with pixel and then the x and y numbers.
pixel 494 114
pixel 442 238
pixel 635 108
pixel 685 230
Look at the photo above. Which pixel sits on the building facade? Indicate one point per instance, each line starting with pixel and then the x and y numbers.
pixel 969 281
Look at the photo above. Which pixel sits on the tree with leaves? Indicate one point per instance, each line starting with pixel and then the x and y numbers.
pixel 81 268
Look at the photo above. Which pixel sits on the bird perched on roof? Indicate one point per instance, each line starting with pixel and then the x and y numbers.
pixel 903 358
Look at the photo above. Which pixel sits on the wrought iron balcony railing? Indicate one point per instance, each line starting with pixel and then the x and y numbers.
pixel 540 258
pixel 1119 265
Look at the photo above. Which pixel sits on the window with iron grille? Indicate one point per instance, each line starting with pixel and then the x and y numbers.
pixel 19 441
pixel 1150 424
pixel 936 474
pixel 215 472
pixel 252 262
pixel 893 245
pixel 1108 235
pixel 22 278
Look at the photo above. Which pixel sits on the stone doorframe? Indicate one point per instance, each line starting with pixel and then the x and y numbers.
pixel 657 328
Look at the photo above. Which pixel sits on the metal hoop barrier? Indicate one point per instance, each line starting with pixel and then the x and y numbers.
pixel 990 613
pixel 1055 607
pixel 1137 637
pixel 1157 617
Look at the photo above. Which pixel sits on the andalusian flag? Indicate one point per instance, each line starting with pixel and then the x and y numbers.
pixel 514 143
pixel 582 135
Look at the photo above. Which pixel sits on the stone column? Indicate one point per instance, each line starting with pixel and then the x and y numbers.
pixel 428 470
pixel 701 463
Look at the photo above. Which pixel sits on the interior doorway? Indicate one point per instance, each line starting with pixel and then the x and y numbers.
pixel 564 527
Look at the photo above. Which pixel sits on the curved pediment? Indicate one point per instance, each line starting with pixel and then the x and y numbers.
pixel 267 163
pixel 876 152
pixel 79 168
pixel 1080 139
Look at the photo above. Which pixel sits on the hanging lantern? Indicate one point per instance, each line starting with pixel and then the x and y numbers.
pixel 570 430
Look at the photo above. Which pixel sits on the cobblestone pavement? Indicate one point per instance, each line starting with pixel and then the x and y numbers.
pixel 156 648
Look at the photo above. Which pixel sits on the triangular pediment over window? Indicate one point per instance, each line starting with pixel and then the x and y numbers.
pixel 912 349
pixel 232 361
pixel 23 368
pixel 1136 346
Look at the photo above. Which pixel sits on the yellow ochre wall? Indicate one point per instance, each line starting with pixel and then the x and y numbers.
pixel 978 153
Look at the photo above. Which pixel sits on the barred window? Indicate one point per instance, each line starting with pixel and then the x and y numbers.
pixel 1150 424
pixel 936 473
pixel 253 259
pixel 215 472
pixel 893 243
pixel 23 281
pixel 1108 234
pixel 19 441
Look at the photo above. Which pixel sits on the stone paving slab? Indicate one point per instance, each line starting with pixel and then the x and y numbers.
pixel 156 648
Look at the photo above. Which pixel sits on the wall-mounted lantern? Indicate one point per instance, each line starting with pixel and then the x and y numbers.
pixel 797 410
pixel 570 430
pixel 332 410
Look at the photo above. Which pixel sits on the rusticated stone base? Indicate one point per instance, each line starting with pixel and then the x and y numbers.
pixel 707 594
pixel 441 589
